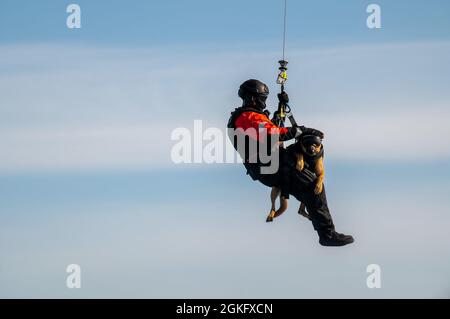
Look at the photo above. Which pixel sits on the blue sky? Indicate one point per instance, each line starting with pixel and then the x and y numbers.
pixel 85 170
pixel 202 22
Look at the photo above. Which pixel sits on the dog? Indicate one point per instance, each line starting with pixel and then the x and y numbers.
pixel 308 151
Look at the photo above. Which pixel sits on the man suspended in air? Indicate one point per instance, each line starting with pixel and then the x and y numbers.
pixel 302 184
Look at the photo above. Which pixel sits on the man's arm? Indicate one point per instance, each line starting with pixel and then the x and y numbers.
pixel 259 121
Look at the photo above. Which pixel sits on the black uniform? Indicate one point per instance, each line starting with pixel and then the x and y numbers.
pixel 301 184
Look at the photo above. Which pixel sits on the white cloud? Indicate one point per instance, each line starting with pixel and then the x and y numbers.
pixel 78 107
pixel 125 147
pixel 399 135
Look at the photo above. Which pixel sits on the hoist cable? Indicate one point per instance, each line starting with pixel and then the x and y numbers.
pixel 284 27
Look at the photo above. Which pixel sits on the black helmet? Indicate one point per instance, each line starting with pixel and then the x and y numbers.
pixel 254 93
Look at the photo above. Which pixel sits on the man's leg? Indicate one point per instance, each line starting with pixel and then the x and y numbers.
pixel 317 207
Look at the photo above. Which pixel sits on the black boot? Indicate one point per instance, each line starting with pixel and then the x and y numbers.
pixel 333 238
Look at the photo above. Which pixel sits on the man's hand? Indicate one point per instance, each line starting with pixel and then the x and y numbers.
pixel 283 97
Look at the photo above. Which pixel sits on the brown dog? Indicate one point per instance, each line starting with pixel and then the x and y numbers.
pixel 309 153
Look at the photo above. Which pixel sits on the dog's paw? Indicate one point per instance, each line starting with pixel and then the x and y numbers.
pixel 270 216
pixel 318 189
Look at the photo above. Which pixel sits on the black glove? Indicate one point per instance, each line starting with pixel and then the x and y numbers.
pixel 310 131
pixel 297 131
pixel 283 97
pixel 276 118
pixel 306 176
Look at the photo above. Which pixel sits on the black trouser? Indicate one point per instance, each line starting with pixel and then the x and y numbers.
pixel 302 188
pixel 316 205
